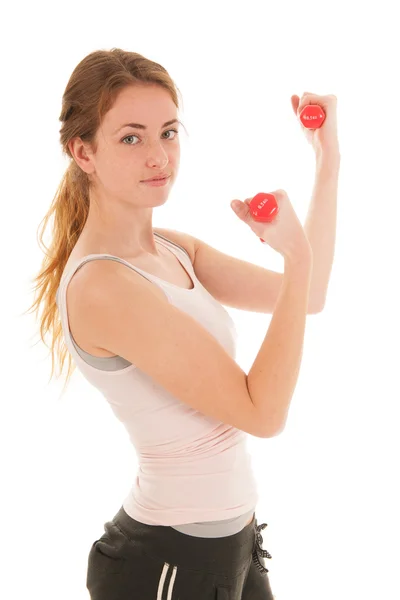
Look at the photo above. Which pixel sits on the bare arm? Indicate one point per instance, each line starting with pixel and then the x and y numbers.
pixel 272 378
pixel 120 311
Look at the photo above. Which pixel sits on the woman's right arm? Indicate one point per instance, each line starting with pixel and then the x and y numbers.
pixel 113 308
pixel 272 378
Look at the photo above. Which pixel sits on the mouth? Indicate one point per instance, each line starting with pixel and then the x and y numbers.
pixel 156 179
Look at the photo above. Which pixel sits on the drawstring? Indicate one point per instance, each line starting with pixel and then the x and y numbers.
pixel 258 550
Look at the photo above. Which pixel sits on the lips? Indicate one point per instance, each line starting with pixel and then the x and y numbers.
pixel 157 178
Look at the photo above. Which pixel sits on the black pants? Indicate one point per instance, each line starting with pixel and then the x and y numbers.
pixel 135 561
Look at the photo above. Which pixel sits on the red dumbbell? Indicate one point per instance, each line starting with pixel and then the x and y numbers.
pixel 312 116
pixel 263 208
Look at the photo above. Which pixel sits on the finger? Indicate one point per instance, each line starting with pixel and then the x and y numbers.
pixel 241 209
pixel 312 99
pixel 295 101
pixel 322 101
pixel 308 97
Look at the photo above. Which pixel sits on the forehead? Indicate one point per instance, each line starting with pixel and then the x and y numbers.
pixel 150 105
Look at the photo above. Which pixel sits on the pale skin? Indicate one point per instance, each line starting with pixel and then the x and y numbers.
pixel 121 207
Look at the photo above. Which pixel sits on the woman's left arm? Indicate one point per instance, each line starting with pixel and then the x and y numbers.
pixel 320 223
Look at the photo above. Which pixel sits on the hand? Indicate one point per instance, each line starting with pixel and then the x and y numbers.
pixel 284 234
pixel 325 139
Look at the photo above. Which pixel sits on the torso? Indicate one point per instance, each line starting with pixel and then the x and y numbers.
pixel 168 268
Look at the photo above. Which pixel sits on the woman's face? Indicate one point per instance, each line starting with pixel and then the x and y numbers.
pixel 126 155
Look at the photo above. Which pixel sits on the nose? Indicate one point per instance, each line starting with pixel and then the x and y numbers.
pixel 157 156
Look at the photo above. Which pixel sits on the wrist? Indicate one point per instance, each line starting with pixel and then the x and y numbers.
pixel 300 256
pixel 328 160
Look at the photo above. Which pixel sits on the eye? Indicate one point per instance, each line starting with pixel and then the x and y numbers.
pixel 129 136
pixel 135 136
pixel 174 130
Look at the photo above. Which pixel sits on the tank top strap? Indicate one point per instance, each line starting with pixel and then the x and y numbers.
pixel 174 247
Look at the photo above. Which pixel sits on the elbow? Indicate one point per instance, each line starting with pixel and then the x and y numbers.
pixel 316 307
pixel 272 433
pixel 317 310
pixel 274 429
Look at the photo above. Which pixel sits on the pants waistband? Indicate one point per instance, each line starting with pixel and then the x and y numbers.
pixel 224 555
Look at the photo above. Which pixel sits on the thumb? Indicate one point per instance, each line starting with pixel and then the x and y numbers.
pixel 237 207
pixel 295 100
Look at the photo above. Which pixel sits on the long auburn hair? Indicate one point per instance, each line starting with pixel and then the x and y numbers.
pixel 91 91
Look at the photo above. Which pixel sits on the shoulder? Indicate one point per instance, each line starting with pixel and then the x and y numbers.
pixel 187 241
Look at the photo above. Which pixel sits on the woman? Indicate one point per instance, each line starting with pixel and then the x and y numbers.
pixel 145 332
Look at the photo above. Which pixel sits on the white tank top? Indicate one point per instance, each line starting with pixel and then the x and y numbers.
pixel 195 472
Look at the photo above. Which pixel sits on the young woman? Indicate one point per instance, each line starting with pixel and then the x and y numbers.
pixel 144 323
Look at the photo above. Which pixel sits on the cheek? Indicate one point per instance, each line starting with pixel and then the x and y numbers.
pixel 174 156
pixel 117 172
pixel 124 163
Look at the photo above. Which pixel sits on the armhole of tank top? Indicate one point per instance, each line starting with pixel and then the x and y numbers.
pixel 63 285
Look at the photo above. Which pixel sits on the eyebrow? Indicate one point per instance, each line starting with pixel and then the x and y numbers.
pixel 139 126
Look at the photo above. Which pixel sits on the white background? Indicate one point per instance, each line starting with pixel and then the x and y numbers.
pixel 329 482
